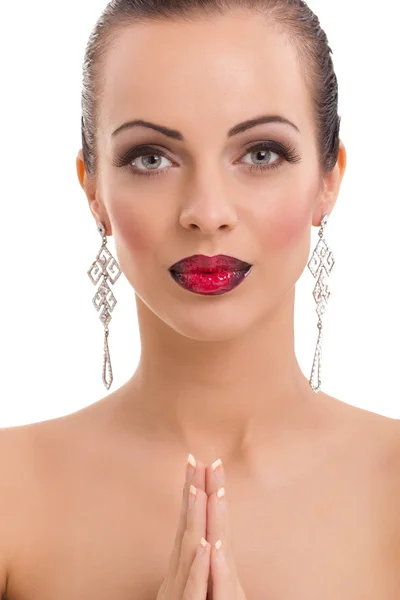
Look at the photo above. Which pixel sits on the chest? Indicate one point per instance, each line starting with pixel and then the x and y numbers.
pixel 330 538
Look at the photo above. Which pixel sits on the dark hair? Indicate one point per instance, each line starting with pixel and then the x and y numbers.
pixel 293 18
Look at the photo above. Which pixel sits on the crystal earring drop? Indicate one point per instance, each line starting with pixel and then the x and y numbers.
pixel 320 265
pixel 105 266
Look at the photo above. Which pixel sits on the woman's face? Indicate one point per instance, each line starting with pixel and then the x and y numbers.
pixel 201 195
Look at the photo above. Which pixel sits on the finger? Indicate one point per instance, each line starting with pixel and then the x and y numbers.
pixel 195 530
pixel 218 521
pixel 195 475
pixel 218 525
pixel 215 477
pixel 196 585
pixel 217 517
pixel 225 585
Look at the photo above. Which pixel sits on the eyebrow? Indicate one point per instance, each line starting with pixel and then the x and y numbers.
pixel 177 135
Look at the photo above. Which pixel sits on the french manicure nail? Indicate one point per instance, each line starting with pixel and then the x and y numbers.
pixel 220 551
pixel 190 467
pixel 202 547
pixel 192 496
pixel 218 471
pixel 221 497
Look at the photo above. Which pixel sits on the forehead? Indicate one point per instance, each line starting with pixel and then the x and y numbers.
pixel 202 76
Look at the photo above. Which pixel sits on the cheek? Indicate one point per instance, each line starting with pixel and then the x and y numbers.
pixel 287 228
pixel 284 236
pixel 137 233
pixel 288 225
pixel 134 228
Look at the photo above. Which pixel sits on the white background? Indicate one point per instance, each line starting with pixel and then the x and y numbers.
pixel 51 338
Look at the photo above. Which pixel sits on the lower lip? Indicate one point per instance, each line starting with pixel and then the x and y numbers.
pixel 210 284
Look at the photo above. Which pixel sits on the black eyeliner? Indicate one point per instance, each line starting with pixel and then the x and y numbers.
pixel 127 157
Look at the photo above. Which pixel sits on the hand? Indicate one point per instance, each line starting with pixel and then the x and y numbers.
pixel 224 582
pixel 188 573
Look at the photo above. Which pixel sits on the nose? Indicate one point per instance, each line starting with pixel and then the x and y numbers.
pixel 209 210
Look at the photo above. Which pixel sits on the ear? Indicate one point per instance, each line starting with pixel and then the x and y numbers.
pixel 88 184
pixel 330 188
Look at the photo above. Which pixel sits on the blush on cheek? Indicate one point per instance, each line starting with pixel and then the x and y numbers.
pixel 289 225
pixel 134 246
pixel 131 229
pixel 286 240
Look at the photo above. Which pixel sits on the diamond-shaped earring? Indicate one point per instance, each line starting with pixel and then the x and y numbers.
pixel 320 265
pixel 104 301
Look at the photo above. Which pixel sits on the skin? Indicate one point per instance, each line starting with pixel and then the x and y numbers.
pixel 311 482
pixel 249 385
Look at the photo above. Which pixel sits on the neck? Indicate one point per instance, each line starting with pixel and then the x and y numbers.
pixel 225 397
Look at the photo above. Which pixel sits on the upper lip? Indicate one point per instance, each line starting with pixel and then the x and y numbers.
pixel 199 263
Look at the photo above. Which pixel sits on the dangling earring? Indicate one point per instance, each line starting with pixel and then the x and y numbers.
pixel 107 267
pixel 320 265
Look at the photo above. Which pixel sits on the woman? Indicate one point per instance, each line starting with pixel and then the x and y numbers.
pixel 293 493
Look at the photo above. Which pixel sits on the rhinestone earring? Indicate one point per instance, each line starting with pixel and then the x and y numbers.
pixel 107 267
pixel 320 265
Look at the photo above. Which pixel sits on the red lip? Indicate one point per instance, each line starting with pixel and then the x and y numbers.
pixel 199 263
pixel 210 275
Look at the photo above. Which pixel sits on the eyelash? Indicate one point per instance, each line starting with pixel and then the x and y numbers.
pixel 287 152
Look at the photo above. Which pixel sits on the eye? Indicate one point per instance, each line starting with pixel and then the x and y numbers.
pixel 144 157
pixel 147 161
pixel 146 166
pixel 263 151
pixel 261 154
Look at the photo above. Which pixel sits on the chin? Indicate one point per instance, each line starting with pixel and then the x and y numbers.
pixel 213 323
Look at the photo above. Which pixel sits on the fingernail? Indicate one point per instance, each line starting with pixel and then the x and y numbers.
pixel 220 551
pixel 190 467
pixel 201 548
pixel 221 497
pixel 192 496
pixel 218 471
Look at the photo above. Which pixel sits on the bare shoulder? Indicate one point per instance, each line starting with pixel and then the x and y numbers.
pixel 375 440
pixel 16 461
pixel 380 432
pixel 34 458
pixel 388 478
pixel 388 434
pixel 372 439
pixel 383 435
pixel 31 454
